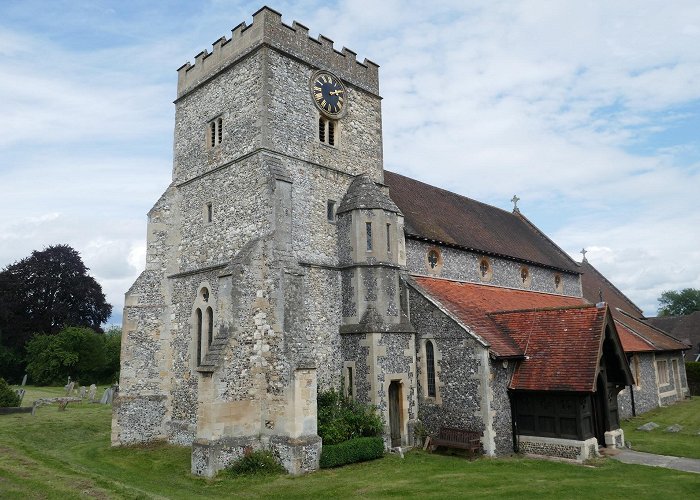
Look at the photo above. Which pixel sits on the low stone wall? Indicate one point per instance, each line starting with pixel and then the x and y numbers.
pixel 297 456
pixel 570 449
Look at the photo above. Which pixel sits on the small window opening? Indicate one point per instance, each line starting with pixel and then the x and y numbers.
pixel 322 130
pixel 330 211
pixel 433 258
pixel 350 385
pixel 216 132
pixel 484 268
pixel 199 336
pixel 210 212
pixel 205 294
pixel 368 226
pixel 388 237
pixel 210 326
pixel 430 367
pixel 327 131
pixel 524 273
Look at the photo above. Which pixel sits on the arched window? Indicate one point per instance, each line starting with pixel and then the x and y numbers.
pixel 210 326
pixel 430 367
pixel 199 336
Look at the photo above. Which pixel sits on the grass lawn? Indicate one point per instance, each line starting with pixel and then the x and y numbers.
pixel 685 443
pixel 67 455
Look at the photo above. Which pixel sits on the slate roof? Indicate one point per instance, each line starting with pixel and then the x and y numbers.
pixel 436 214
pixel 364 193
pixel 637 334
pixel 471 303
pixel 593 283
pixel 562 347
pixel 684 328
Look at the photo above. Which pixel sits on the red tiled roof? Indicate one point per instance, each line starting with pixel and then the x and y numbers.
pixel 471 303
pixel 440 215
pixel 562 347
pixel 638 334
pixel 631 342
pixel 660 341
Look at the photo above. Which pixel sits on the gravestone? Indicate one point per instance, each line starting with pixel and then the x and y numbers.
pixel 24 380
pixel 83 390
pixel 69 388
pixel 674 428
pixel 20 393
pixel 91 394
pixel 106 396
pixel 110 396
pixel 649 426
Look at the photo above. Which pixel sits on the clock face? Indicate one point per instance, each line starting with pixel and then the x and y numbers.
pixel 328 93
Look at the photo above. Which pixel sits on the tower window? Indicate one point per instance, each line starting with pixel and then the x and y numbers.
pixel 330 211
pixel 327 131
pixel 215 130
pixel 210 212
pixel 388 237
pixel 199 336
pixel 430 367
pixel 368 226
pixel 350 384
pixel 210 326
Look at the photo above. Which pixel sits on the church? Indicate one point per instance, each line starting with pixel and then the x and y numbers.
pixel 283 259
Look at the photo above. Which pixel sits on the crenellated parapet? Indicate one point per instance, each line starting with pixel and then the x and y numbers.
pixel 268 29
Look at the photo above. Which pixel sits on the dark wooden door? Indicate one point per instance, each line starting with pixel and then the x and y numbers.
pixel 395 412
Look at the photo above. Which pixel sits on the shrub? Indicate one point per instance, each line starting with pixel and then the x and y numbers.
pixel 348 452
pixel 341 419
pixel 692 371
pixel 8 397
pixel 256 462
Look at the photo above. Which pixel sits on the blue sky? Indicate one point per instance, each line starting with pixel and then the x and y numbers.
pixel 589 111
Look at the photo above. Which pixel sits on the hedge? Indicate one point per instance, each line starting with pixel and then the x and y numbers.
pixel 8 397
pixel 348 452
pixel 692 371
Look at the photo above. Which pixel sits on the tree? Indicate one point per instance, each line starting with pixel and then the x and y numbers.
pixel 46 291
pixel 672 303
pixel 77 352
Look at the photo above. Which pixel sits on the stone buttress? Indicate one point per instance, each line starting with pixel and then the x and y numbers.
pixel 378 342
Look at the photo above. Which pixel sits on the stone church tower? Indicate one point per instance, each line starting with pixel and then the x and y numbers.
pixel 274 257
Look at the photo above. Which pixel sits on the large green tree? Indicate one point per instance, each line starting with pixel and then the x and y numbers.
pixel 46 291
pixel 686 301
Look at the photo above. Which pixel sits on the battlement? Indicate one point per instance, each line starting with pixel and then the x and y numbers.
pixel 268 28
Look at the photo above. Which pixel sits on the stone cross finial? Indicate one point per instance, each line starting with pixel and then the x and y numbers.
pixel 515 201
pixel 584 252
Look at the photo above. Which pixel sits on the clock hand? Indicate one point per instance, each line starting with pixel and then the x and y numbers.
pixel 335 92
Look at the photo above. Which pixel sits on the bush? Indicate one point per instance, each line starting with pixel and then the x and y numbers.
pixel 12 365
pixel 256 462
pixel 8 397
pixel 341 419
pixel 355 450
pixel 692 371
pixel 79 352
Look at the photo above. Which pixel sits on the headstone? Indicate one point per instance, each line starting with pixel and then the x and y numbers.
pixel 106 396
pixel 674 428
pixel 69 388
pixel 110 395
pixel 649 426
pixel 20 393
pixel 83 390
pixel 92 393
pixel 24 380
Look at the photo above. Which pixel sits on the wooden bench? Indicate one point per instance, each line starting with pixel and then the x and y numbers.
pixel 452 437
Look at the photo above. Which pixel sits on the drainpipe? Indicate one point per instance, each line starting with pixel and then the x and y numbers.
pixel 634 410
pixel 511 399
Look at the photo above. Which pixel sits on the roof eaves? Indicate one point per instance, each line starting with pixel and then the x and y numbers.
pixel 658 330
pixel 489 253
